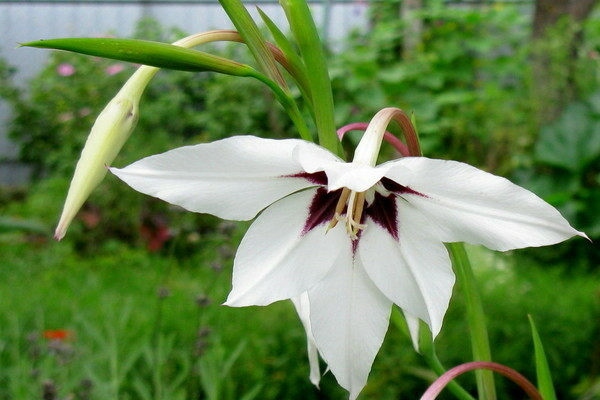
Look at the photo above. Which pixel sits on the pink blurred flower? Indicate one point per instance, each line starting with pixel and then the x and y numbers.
pixel 84 112
pixel 114 69
pixel 65 117
pixel 65 69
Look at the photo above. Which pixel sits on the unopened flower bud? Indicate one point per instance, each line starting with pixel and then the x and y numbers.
pixel 118 119
pixel 110 131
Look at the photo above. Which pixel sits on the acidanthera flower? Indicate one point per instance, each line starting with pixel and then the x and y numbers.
pixel 346 240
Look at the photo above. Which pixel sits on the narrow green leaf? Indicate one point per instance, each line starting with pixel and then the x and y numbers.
pixel 297 68
pixel 9 224
pixel 306 36
pixel 544 377
pixel 254 39
pixel 155 54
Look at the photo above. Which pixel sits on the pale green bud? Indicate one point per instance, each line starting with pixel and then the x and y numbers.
pixel 110 131
pixel 116 122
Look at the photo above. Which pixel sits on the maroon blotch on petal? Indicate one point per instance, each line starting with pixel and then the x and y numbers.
pixel 397 188
pixel 321 209
pixel 383 212
pixel 318 178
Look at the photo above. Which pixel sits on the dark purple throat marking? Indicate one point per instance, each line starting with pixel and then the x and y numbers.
pixel 384 212
pixel 318 178
pixel 321 209
pixel 397 188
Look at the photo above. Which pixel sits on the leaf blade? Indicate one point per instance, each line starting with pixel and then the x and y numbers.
pixel 145 52
pixel 253 39
pixel 544 377
pixel 305 33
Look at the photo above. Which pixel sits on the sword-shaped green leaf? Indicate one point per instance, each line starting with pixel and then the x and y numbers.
pixel 253 39
pixel 544 377
pixel 145 52
pixel 306 36
pixel 296 67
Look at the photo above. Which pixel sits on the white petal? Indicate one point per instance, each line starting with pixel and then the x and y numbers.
pixel 302 305
pixel 354 176
pixel 276 260
pixel 313 158
pixel 233 178
pixel 415 271
pixel 470 205
pixel 349 317
pixel 357 177
pixel 413 328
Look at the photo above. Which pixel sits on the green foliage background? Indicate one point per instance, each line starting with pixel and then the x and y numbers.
pixel 142 325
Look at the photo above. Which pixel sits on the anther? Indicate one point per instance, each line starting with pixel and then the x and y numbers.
pixel 339 208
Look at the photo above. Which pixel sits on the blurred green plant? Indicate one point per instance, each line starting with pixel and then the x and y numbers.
pixel 119 342
pixel 469 80
pixel 565 171
pixel 466 81
pixel 52 117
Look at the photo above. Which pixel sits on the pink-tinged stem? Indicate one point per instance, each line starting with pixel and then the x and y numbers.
pixel 388 137
pixel 436 387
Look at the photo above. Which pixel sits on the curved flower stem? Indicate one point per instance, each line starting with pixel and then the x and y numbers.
pixel 435 364
pixel 475 317
pixel 281 94
pixel 436 388
pixel 387 136
pixel 293 69
pixel 288 104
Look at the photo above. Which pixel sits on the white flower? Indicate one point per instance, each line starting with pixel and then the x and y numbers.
pixel 345 241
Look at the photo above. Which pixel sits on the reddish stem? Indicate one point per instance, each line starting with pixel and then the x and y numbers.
pixel 436 387
pixel 388 137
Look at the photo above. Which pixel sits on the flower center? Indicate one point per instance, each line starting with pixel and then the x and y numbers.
pixel 353 203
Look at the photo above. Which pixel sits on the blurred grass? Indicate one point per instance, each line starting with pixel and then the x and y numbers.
pixel 138 324
pixel 149 326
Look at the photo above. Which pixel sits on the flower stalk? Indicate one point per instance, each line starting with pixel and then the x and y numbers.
pixel 387 136
pixel 476 318
pixel 436 388
pixel 427 350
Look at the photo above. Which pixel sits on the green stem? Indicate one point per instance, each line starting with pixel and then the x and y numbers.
pixel 435 364
pixel 427 350
pixel 288 104
pixel 475 317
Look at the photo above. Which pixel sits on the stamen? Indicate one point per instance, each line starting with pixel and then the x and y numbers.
pixel 337 216
pixel 353 203
pixel 354 214
pixel 359 204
